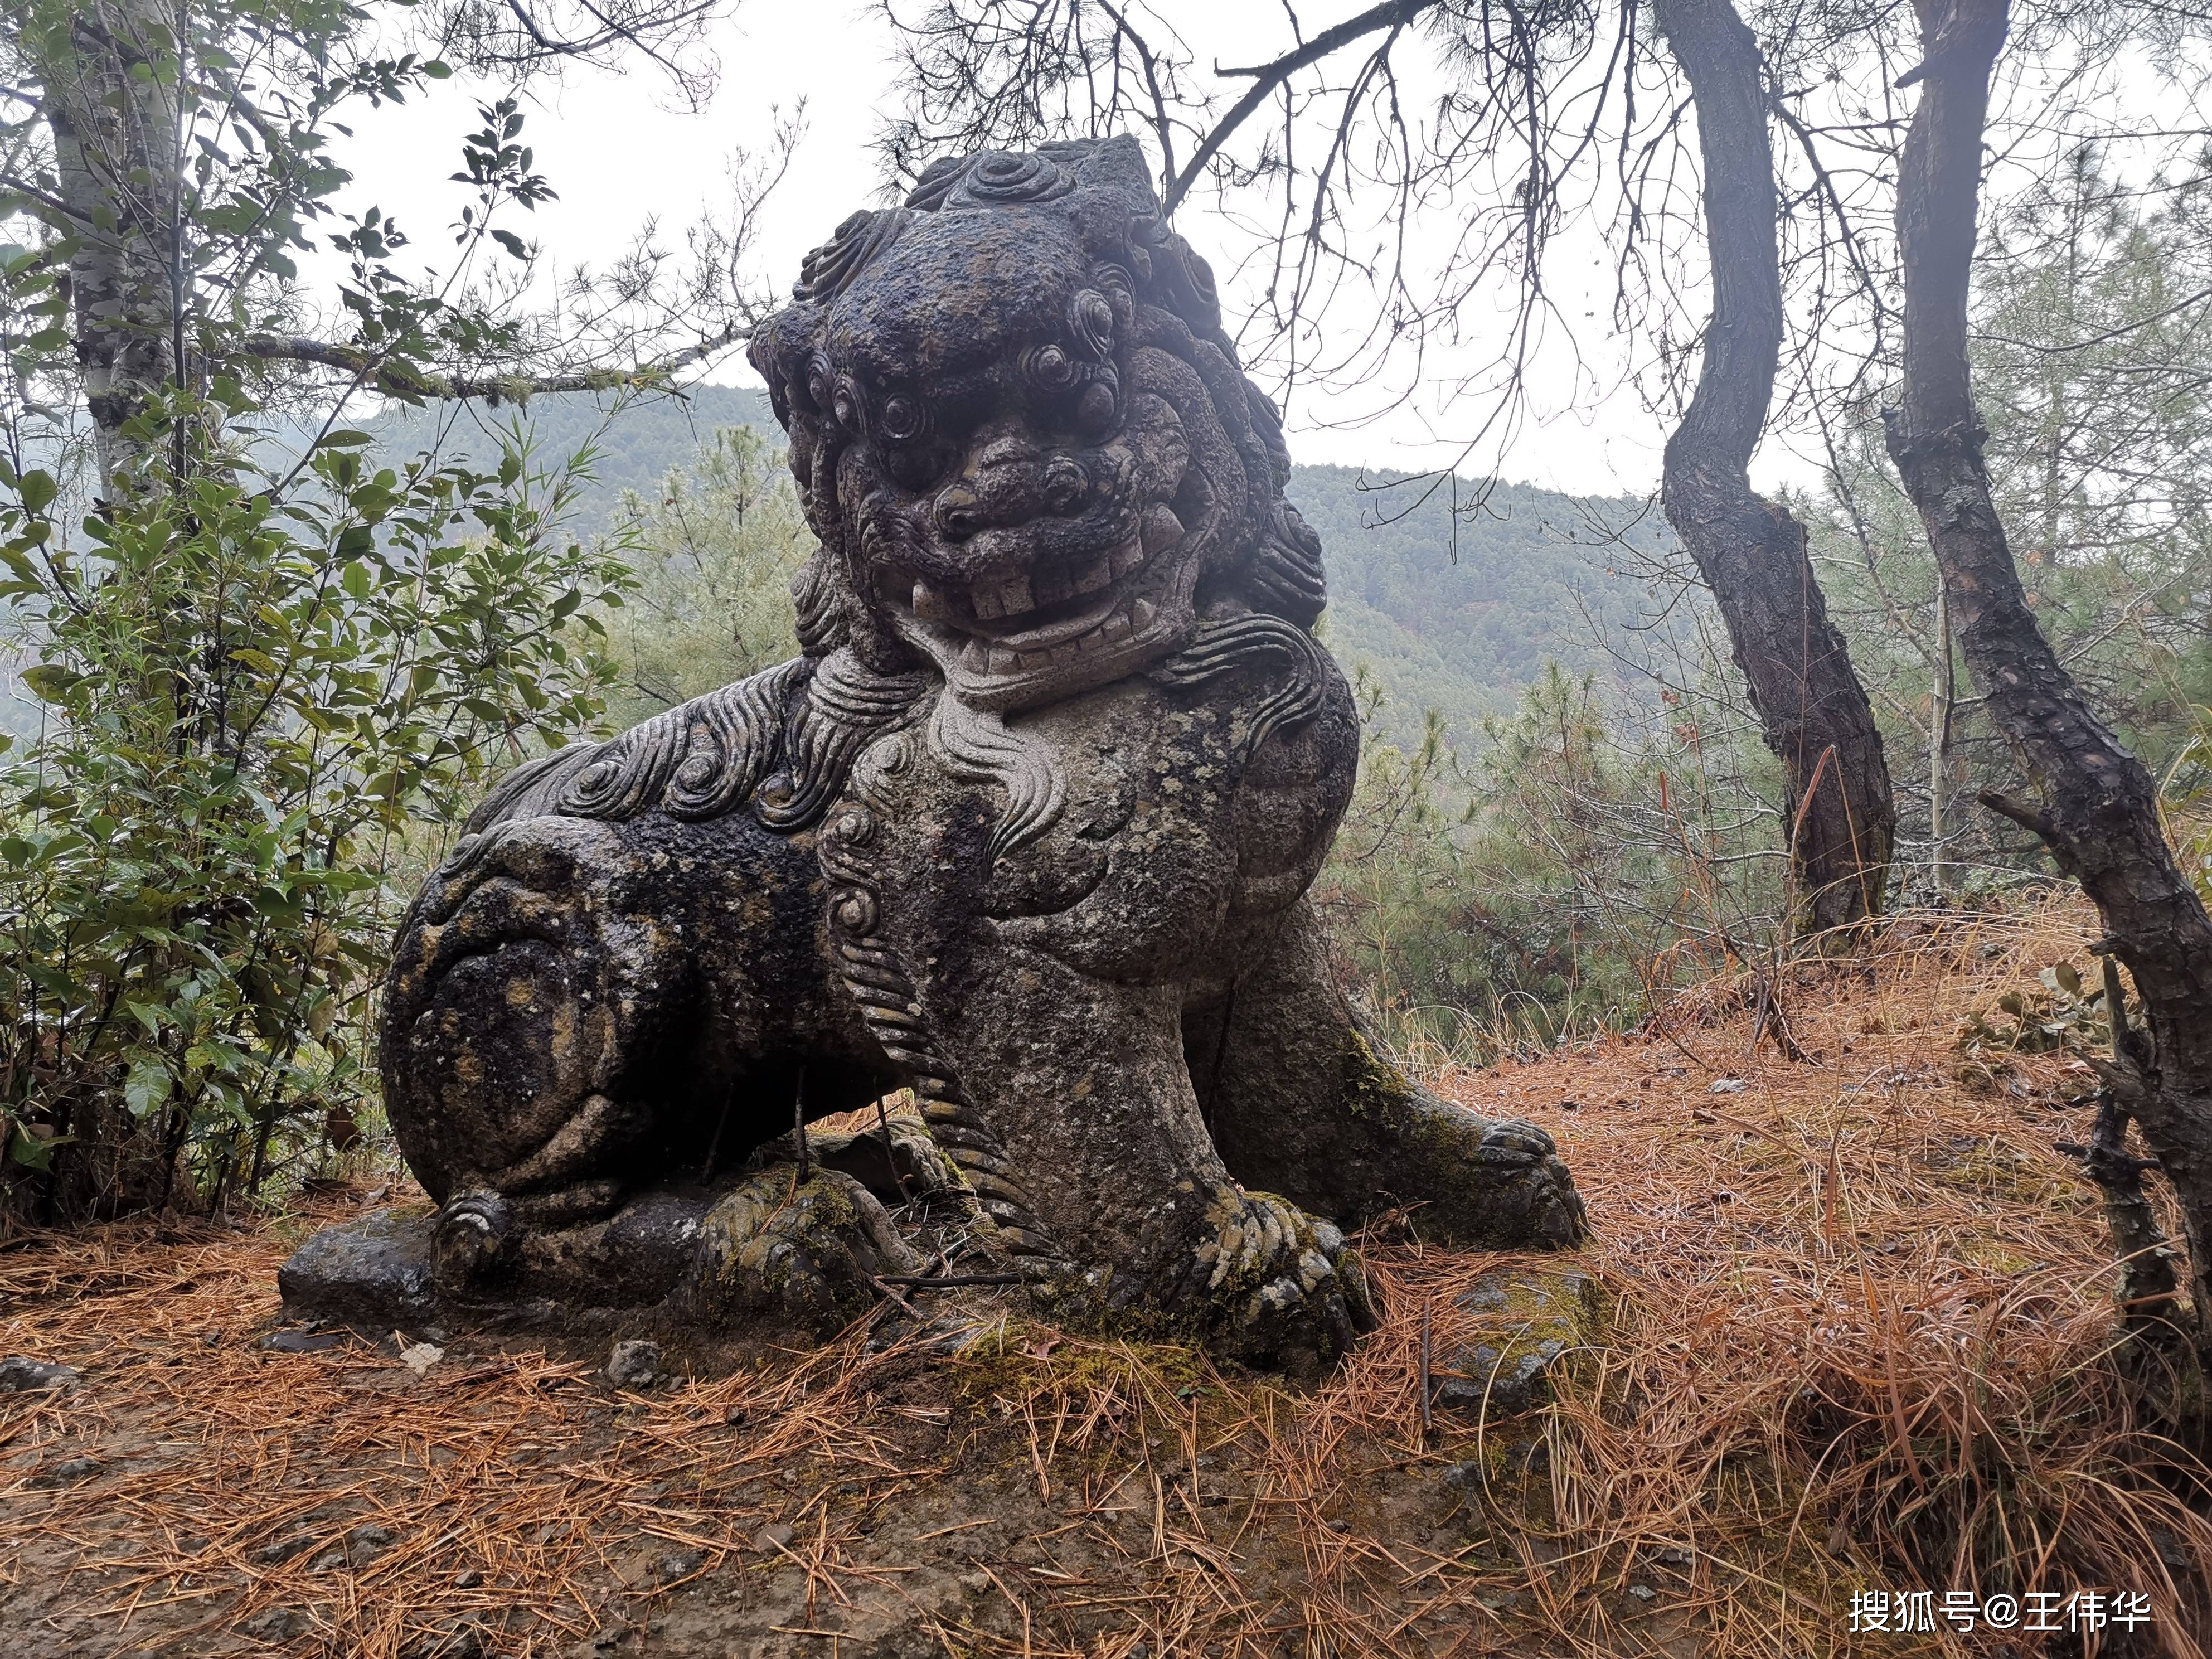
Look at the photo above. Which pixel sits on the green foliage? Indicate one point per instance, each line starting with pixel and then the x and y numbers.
pixel 714 548
pixel 637 441
pixel 2091 317
pixel 1592 854
pixel 268 669
pixel 2188 813
pixel 1459 612
pixel 253 692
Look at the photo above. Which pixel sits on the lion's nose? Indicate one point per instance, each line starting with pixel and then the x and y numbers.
pixel 959 512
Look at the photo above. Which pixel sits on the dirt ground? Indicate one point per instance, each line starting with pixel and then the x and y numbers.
pixel 1856 1315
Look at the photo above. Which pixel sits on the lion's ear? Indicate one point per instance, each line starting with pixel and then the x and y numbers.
pixel 1117 163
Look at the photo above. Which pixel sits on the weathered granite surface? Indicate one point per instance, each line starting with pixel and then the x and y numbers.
pixel 1026 827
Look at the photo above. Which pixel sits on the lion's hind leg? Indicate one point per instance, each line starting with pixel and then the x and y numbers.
pixel 521 1002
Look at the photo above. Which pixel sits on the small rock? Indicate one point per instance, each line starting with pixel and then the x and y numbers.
pixel 328 1561
pixel 1644 1592
pixel 420 1356
pixel 633 1364
pixel 276 1625
pixel 467 1578
pixel 771 1539
pixel 1671 1556
pixel 976 1584
pixel 368 1542
pixel 1726 1085
pixel 304 1341
pixel 374 1272
pixel 19 1374
pixel 68 1473
pixel 681 1563
pixel 279 1551
pixel 1501 1384
pixel 1529 1320
pixel 466 1638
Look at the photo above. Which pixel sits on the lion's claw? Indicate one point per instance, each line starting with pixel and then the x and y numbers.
pixel 1276 1287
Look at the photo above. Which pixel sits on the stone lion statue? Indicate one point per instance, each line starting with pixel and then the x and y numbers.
pixel 1026 828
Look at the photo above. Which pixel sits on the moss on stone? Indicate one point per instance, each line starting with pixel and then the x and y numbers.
pixel 1372 1087
pixel 1530 1324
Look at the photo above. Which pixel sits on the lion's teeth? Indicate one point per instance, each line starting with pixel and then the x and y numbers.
pixel 986 603
pixel 1014 596
pixel 1127 557
pixel 1004 661
pixel 1142 612
pixel 1095 575
pixel 1052 585
pixel 1116 627
pixel 929 604
pixel 1160 530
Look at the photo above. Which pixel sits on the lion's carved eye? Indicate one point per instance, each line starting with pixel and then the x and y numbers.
pixel 845 404
pixel 904 419
pixel 1050 366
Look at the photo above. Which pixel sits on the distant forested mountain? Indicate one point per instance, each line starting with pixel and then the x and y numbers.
pixel 1458 610
pixel 1451 611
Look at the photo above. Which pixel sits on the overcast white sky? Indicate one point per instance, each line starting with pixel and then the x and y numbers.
pixel 620 151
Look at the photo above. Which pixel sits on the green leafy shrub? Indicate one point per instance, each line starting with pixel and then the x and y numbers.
pixel 258 691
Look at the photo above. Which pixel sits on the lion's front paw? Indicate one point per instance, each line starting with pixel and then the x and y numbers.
pixel 808 1253
pixel 1486 1183
pixel 474 1243
pixel 1276 1287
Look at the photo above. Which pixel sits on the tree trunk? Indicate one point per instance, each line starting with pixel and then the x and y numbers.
pixel 1813 711
pixel 115 148
pixel 1941 699
pixel 2099 811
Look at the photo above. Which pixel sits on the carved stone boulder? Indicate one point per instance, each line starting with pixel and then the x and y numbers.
pixel 1026 828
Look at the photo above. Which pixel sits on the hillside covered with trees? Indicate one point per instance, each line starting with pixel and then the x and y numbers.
pixel 1456 609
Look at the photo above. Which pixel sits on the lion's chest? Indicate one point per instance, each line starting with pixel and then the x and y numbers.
pixel 1158 829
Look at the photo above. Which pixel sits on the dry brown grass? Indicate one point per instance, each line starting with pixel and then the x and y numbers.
pixel 1859 1317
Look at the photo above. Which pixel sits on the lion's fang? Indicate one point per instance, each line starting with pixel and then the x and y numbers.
pixel 1161 530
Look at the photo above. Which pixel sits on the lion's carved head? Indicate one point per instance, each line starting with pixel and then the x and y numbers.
pixel 1035 469
pixel 1022 436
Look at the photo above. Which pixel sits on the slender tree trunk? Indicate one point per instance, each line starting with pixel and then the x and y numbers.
pixel 1939 740
pixel 1813 712
pixel 110 101
pixel 2098 808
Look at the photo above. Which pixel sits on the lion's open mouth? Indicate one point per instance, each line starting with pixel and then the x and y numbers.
pixel 1051 613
